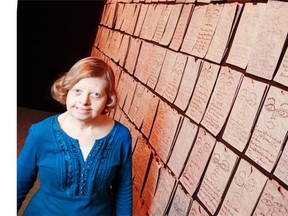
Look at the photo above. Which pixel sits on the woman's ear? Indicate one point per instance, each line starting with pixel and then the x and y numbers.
pixel 111 102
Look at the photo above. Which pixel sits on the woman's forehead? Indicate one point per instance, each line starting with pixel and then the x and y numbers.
pixel 92 83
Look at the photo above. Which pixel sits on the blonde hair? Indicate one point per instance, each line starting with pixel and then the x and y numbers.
pixel 84 68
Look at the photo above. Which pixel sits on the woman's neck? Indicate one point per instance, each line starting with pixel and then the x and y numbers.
pixel 95 128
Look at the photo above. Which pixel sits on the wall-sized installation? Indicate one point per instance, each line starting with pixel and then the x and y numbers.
pixel 203 88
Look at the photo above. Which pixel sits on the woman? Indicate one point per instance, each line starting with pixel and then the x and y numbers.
pixel 82 157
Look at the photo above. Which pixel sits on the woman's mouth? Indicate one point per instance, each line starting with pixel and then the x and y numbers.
pixel 83 110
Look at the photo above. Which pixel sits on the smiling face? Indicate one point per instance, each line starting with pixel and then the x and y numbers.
pixel 87 99
pixel 86 68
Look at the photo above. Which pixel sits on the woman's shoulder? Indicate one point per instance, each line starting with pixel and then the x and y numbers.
pixel 42 128
pixel 123 132
pixel 122 128
pixel 46 122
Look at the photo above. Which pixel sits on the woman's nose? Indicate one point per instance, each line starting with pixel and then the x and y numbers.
pixel 85 99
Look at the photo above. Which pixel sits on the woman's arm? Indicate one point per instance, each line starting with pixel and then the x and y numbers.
pixel 123 185
pixel 26 168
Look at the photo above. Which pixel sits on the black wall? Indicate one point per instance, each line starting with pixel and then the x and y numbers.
pixel 51 37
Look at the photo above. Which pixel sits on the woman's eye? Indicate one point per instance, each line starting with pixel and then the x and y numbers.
pixel 76 91
pixel 95 95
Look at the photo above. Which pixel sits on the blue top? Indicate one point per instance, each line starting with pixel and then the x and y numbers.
pixel 69 185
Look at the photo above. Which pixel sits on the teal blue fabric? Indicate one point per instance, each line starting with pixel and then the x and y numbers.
pixel 101 185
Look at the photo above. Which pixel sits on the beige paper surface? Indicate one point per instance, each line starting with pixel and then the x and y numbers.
pixel 151 101
pixel 244 190
pixel 245 36
pixel 171 24
pixel 193 28
pixel 181 27
pixel 132 54
pixel 150 183
pixel 269 41
pixel 222 33
pixel 243 114
pixel 207 30
pixel 182 146
pixel 136 104
pixel 141 17
pixel 281 170
pixel 122 54
pixel 158 54
pixel 188 82
pixel 274 200
pixel 166 71
pixel 197 160
pixel 270 130
pixel 159 31
pixel 216 177
pixel 197 210
pixel 282 73
pixel 180 202
pixel 175 78
pixel 164 130
pixel 221 100
pixel 163 192
pixel 141 156
pixel 202 92
pixel 143 66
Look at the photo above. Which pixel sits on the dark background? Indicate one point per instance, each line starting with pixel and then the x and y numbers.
pixel 51 37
